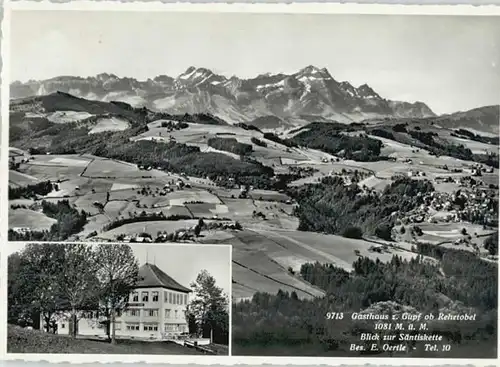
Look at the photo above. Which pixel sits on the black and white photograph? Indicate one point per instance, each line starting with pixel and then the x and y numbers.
pixel 351 162
pixel 102 298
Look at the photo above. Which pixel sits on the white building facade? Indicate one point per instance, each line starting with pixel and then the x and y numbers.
pixel 156 309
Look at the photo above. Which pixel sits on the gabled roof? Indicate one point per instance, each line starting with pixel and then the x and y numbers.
pixel 152 276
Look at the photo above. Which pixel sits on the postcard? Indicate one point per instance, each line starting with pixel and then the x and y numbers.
pixel 245 183
pixel 81 298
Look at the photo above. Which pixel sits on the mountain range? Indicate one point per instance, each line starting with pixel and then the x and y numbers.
pixel 311 94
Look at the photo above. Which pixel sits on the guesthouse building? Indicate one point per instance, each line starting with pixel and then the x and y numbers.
pixel 156 309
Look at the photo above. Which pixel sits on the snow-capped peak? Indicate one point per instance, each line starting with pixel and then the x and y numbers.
pixel 365 91
pixel 311 69
pixel 188 73
pixel 313 73
pixel 349 89
pixel 196 76
pixel 103 77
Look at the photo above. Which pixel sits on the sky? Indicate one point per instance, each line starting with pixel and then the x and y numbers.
pixel 449 62
pixel 183 262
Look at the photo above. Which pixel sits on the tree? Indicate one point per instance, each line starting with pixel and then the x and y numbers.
pixel 34 287
pixel 384 231
pixel 191 321
pixel 491 244
pixel 77 280
pixel 16 296
pixel 210 308
pixel 117 271
pixel 353 232
pixel 197 230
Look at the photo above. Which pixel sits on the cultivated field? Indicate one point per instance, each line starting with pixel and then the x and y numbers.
pixel 122 199
pixel 26 218
pixel 110 124
pixel 270 259
pixel 63 117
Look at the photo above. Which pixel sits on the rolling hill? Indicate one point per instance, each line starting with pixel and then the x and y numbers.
pixel 483 119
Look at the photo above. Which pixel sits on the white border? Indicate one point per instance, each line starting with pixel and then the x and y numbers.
pixel 294 8
pixel 4 181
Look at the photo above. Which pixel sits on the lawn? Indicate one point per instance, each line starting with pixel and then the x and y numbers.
pixel 207 210
pixel 268 195
pixel 109 167
pixel 63 117
pixel 110 124
pixel 21 340
pixel 29 219
pixel 180 197
pixel 52 172
pixel 262 258
pixel 21 179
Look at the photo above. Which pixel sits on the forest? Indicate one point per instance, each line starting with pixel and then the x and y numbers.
pixel 438 280
pixel 30 191
pixel 258 142
pixel 230 145
pixel 331 138
pixel 472 136
pixel 332 207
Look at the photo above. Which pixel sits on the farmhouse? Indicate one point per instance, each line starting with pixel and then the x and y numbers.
pixel 155 310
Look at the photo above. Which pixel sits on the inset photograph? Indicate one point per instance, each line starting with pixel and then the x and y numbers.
pixel 118 298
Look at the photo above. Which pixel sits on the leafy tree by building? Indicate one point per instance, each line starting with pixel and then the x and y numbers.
pixel 210 309
pixel 117 273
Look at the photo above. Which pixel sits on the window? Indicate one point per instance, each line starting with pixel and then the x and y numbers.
pixel 134 313
pixel 165 296
pixel 118 326
pixel 170 297
pixel 178 299
pixel 63 326
pixel 175 312
pixel 132 327
pixel 155 296
pixel 135 297
pixel 167 313
pixel 185 299
pixel 150 327
pixel 152 313
pixel 145 296
pixel 169 327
